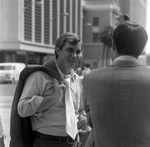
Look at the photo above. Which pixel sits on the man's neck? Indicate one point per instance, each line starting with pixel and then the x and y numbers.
pixel 61 69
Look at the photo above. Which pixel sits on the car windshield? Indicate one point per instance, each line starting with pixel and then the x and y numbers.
pixel 6 67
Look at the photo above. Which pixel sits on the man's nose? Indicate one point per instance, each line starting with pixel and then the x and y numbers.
pixel 74 54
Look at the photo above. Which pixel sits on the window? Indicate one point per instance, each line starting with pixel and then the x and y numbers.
pixel 96 37
pixel 61 17
pixel 28 20
pixel 73 15
pixel 46 22
pixel 68 20
pixel 96 21
pixel 5 67
pixel 54 15
pixel 79 14
pixel 38 24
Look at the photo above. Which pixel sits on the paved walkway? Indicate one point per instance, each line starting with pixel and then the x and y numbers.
pixel 5 108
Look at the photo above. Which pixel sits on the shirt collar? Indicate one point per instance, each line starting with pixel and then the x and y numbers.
pixel 63 76
pixel 126 58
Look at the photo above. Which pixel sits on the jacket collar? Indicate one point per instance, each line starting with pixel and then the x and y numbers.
pixel 126 61
pixel 63 76
pixel 51 66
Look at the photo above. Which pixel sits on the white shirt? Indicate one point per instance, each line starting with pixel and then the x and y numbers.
pixel 52 119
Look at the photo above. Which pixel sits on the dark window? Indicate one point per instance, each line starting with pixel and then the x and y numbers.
pixel 54 16
pixel 79 16
pixel 46 22
pixel 38 23
pixel 96 37
pixel 95 21
pixel 6 67
pixel 27 20
pixel 61 17
pixel 73 15
pixel 68 19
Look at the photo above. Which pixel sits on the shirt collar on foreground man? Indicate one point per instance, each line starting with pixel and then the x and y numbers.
pixel 125 58
pixel 62 74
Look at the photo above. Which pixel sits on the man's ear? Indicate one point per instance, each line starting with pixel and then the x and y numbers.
pixel 58 51
pixel 113 45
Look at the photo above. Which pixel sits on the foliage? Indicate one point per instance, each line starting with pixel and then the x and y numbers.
pixel 105 36
pixel 106 39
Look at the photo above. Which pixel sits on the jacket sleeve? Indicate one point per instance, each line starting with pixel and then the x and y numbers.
pixel 83 121
pixel 82 118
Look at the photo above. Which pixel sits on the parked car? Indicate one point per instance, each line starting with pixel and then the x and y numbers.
pixel 9 72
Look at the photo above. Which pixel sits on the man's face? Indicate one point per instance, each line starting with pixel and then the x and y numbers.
pixel 68 56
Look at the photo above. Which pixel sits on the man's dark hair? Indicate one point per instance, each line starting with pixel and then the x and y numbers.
pixel 69 37
pixel 130 38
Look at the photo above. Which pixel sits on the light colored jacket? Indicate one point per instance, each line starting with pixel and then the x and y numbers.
pixel 118 98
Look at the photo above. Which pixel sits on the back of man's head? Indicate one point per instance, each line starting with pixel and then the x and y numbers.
pixel 130 38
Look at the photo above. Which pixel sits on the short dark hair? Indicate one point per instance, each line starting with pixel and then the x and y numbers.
pixel 69 37
pixel 130 39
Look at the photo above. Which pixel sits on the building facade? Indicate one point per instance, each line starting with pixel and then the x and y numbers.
pixel 136 9
pixel 29 28
pixel 97 14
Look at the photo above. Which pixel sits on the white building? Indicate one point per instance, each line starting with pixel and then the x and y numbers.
pixel 29 28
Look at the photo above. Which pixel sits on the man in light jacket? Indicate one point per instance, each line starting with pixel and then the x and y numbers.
pixel 118 97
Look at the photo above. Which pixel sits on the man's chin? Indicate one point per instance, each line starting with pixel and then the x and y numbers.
pixel 72 65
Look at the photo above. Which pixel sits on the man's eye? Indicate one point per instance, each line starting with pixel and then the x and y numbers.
pixel 70 50
pixel 78 52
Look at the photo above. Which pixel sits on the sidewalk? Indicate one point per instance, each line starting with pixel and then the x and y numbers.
pixel 5 108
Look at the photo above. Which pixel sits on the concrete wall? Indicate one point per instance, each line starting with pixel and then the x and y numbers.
pixel 9 20
pixel 138 12
pixel 125 6
pixel 136 9
pixel 93 51
pixel 104 20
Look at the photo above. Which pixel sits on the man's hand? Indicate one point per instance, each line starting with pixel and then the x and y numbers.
pixel 83 136
pixel 58 89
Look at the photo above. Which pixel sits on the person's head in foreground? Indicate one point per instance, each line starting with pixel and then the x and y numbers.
pixel 67 51
pixel 129 39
